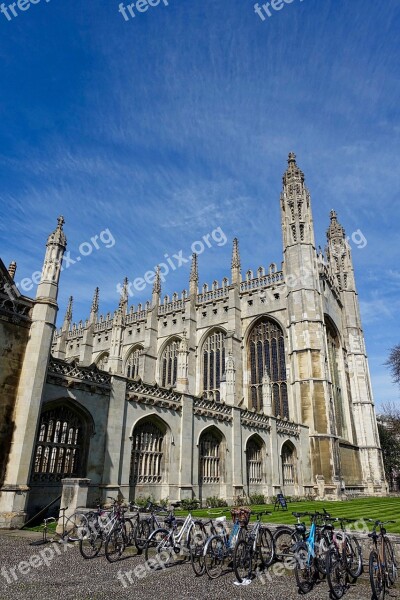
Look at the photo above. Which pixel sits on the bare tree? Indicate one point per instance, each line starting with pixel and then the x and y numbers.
pixel 393 362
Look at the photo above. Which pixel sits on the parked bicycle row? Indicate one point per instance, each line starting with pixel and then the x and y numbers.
pixel 324 550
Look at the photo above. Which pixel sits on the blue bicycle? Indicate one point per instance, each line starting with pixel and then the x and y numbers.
pixel 307 555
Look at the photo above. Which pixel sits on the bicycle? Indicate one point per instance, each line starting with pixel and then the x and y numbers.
pixel 220 547
pixel 73 528
pixel 99 524
pixel 122 535
pixel 287 538
pixel 216 527
pixel 259 545
pixel 175 541
pixel 382 561
pixel 309 554
pixel 343 560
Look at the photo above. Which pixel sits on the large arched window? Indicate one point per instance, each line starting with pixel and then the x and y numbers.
pixel 147 453
pixel 289 464
pixel 102 361
pixel 169 364
pixel 254 462
pixel 210 458
pixel 267 353
pixel 213 364
pixel 60 446
pixel 132 363
pixel 333 357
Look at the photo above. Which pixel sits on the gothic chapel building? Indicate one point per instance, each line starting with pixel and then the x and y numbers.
pixel 259 384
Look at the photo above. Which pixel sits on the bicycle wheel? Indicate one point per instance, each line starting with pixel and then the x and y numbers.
pixel 115 544
pixel 376 577
pixel 322 544
pixel 335 573
pixel 265 547
pixel 197 560
pixel 283 542
pixel 214 556
pixel 91 543
pixel 243 560
pixel 75 527
pixel 391 565
pixel 354 562
pixel 142 534
pixel 304 569
pixel 130 531
pixel 158 547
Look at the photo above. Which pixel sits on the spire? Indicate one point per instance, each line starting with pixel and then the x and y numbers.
pixel 12 269
pixel 338 254
pixel 297 223
pixel 123 302
pixel 95 303
pixel 194 276
pixel 157 282
pixel 236 276
pixel 335 230
pixel 58 236
pixel 68 314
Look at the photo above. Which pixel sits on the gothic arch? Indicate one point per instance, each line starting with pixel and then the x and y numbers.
pixel 211 362
pixel 62 441
pixel 212 450
pixel 102 361
pixel 150 437
pixel 132 370
pixel 339 379
pixel 266 351
pixel 289 464
pixel 255 453
pixel 168 361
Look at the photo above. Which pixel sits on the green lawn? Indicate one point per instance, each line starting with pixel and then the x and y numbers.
pixel 367 508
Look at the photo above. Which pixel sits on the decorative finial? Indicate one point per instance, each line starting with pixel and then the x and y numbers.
pixel 58 235
pixel 292 158
pixel 12 269
pixel 235 255
pixel 194 271
pixel 335 230
pixel 157 282
pixel 95 303
pixel 124 294
pixel 68 313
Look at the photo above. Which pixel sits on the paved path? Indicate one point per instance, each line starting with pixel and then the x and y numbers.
pixel 53 572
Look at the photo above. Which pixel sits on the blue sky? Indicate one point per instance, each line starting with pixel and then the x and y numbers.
pixel 169 125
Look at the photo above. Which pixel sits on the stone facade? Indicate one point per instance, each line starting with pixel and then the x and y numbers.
pixel 255 385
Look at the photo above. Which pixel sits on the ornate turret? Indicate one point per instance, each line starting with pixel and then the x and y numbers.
pixel 338 254
pixel 297 221
pixel 194 276
pixel 56 245
pixel 236 275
